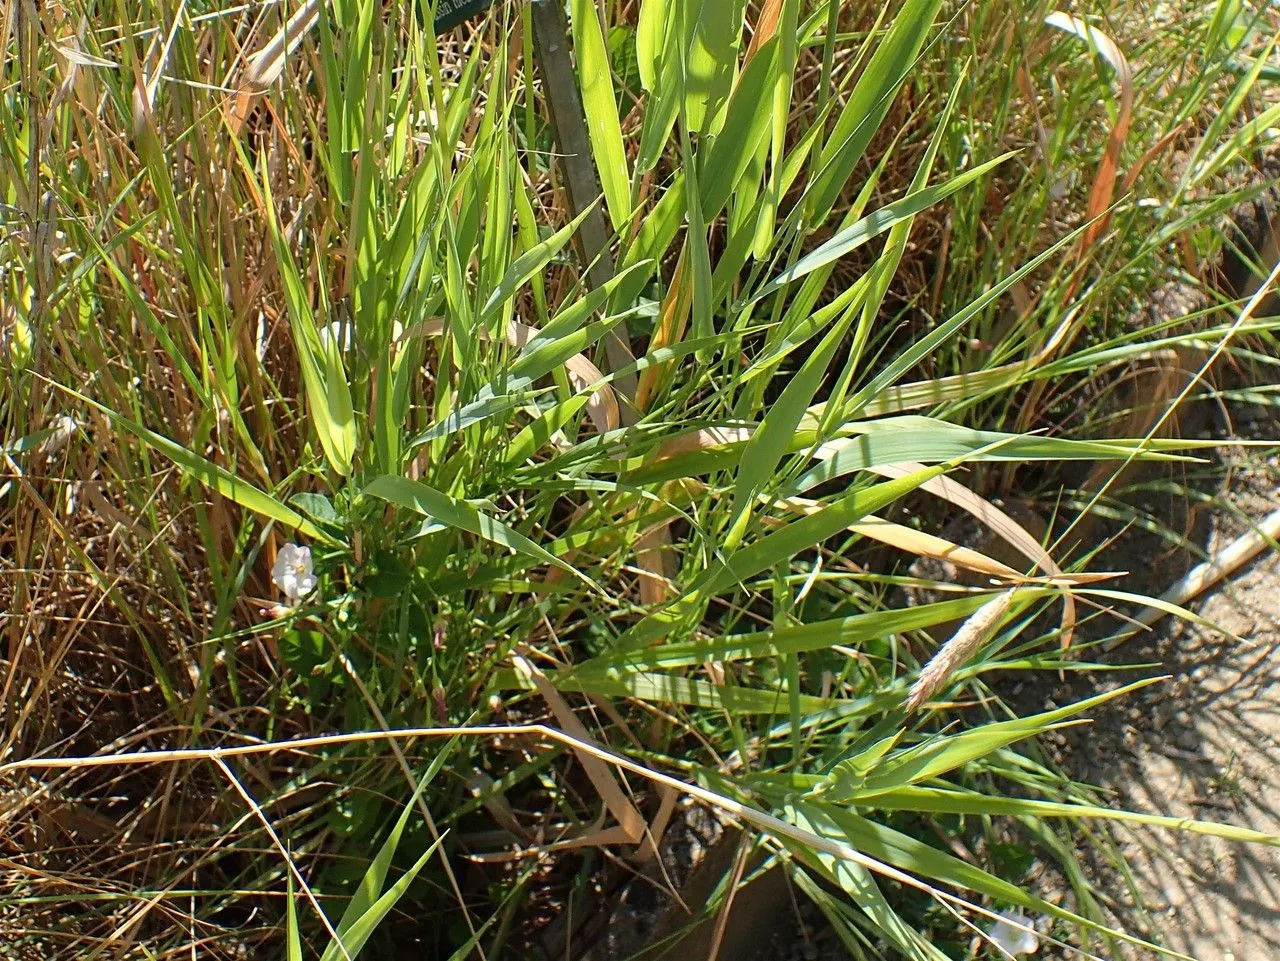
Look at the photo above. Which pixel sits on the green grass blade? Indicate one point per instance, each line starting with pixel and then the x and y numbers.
pixel 777 431
pixel 781 545
pixel 948 801
pixel 713 53
pixel 354 936
pixel 927 440
pixel 868 104
pixel 939 755
pixel 877 223
pixel 861 886
pixel 658 54
pixel 745 127
pixel 532 261
pixel 323 374
pixel 674 689
pixel 292 935
pixel 432 503
pixel 214 477
pixel 848 631
pixel 922 860
pixel 369 892
pixel 599 103
pixel 913 355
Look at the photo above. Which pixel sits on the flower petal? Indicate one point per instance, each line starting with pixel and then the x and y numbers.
pixel 1010 934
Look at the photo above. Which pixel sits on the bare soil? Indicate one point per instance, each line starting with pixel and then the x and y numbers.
pixel 1204 744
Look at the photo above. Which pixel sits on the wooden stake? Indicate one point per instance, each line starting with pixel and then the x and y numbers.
pixel 573 148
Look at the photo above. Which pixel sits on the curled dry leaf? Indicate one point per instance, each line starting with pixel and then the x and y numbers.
pixel 915 542
pixel 1104 182
pixel 264 67
pixel 766 27
pixel 923 544
pixel 704 439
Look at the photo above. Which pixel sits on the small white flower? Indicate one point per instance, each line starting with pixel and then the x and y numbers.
pixel 344 335
pixel 1009 934
pixel 63 429
pixel 292 572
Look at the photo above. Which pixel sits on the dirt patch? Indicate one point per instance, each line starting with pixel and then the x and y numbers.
pixel 1203 744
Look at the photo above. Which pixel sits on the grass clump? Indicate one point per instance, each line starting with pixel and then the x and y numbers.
pixel 320 281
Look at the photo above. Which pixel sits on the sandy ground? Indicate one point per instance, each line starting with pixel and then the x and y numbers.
pixel 1203 744
pixel 1207 745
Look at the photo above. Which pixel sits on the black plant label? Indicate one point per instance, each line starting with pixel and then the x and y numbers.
pixel 450 13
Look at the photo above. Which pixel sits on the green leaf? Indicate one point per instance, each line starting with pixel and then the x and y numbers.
pixel 848 631
pixel 572 316
pixel 850 775
pixel 673 689
pixel 776 433
pixel 926 345
pixel 922 860
pixel 301 650
pixel 318 506
pixel 948 801
pixel 806 532
pixel 323 374
pixel 745 128
pixel 650 33
pixel 658 53
pixel 529 263
pixel 486 405
pixel 715 28
pixel 863 889
pixel 868 104
pixel 432 503
pixel 938 755
pixel 543 354
pixel 370 904
pixel 533 437
pixel 562 338
pixel 928 440
pixel 876 223
pixel 777 547
pixel 599 103
pixel 293 937
pixel 215 477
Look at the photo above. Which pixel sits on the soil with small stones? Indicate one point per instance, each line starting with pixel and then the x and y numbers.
pixel 1203 744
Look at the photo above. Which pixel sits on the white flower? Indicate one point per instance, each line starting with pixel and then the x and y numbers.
pixel 62 430
pixel 1011 936
pixel 344 335
pixel 292 572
